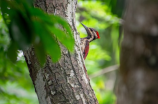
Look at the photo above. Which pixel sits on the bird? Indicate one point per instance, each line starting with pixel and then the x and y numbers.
pixel 92 34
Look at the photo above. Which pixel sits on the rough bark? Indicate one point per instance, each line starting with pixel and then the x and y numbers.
pixel 66 81
pixel 139 54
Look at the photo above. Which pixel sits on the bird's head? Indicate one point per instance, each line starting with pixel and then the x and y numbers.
pixel 92 33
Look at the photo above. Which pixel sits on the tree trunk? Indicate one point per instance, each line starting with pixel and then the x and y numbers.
pixel 64 82
pixel 139 54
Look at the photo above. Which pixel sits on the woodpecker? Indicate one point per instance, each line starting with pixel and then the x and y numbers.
pixel 92 34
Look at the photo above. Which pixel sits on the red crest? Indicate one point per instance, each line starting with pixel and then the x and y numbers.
pixel 98 35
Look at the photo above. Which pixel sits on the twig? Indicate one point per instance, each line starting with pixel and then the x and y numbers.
pixel 103 71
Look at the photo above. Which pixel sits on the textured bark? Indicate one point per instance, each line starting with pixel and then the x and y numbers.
pixel 64 82
pixel 139 54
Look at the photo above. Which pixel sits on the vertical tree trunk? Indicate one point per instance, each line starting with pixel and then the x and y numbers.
pixel 65 82
pixel 139 54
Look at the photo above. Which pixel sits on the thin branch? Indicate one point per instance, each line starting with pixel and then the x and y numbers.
pixel 103 71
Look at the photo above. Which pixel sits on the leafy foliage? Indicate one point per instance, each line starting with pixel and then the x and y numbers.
pixel 28 25
pixel 15 82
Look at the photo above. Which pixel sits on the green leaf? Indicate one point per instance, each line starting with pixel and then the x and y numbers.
pixel 117 7
pixel 49 43
pixel 49 21
pixel 12 52
pixel 20 31
pixel 63 23
pixel 41 16
pixel 40 53
pixel 5 11
pixel 65 39
pixel 30 2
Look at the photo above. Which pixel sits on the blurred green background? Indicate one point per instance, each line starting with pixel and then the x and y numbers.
pixel 15 84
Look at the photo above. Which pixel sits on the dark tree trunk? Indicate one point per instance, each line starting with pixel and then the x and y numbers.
pixel 139 54
pixel 65 82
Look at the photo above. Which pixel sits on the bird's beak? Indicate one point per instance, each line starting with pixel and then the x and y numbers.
pixel 85 26
pixel 87 30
